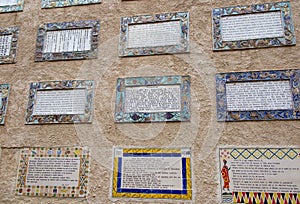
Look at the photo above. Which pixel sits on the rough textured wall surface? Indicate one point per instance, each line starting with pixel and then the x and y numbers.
pixel 203 133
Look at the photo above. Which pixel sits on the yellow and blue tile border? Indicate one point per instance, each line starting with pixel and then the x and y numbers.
pixel 14 33
pixel 184 154
pixel 88 85
pixel 121 116
pixel 65 3
pixel 291 75
pixel 81 190
pixel 251 154
pixel 284 7
pixel 18 6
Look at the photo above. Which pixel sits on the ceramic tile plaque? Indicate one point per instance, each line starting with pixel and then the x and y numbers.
pixel 53 172
pixel 151 173
pixel 4 93
pixel 259 175
pixel 264 95
pixel 154 34
pixel 60 102
pixel 8 44
pixel 11 5
pixel 253 26
pixel 67 41
pixel 153 99
pixel 64 3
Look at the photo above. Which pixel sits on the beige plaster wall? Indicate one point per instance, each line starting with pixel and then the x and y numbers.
pixel 203 133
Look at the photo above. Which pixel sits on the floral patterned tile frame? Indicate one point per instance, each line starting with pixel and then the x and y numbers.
pixel 224 115
pixel 40 55
pixel 287 24
pixel 60 85
pixel 4 91
pixel 183 115
pixel 65 3
pixel 12 8
pixel 183 47
pixel 81 190
pixel 12 57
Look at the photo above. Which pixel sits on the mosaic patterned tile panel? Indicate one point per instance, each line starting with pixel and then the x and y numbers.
pixel 4 91
pixel 49 188
pixel 159 87
pixel 136 25
pixel 61 33
pixel 65 3
pixel 8 44
pixel 35 116
pixel 287 37
pixel 11 6
pixel 289 77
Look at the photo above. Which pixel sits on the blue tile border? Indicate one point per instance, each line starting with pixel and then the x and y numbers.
pixel 286 13
pixel 293 75
pixel 4 91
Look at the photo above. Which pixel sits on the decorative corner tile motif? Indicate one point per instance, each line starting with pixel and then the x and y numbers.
pixel 166 33
pixel 262 95
pixel 253 26
pixel 60 102
pixel 8 44
pixel 4 91
pixel 259 175
pixel 11 5
pixel 53 172
pixel 152 173
pixel 65 3
pixel 153 99
pixel 67 41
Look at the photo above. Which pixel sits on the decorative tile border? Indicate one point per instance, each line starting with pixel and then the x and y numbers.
pixel 276 75
pixel 261 169
pixel 65 3
pixel 40 55
pixel 60 85
pixel 182 155
pixel 12 8
pixel 182 115
pixel 287 25
pixel 182 17
pixel 11 58
pixel 80 190
pixel 4 91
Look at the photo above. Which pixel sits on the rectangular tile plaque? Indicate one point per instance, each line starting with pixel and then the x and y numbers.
pixel 264 95
pixel 8 44
pixel 259 175
pixel 60 102
pixel 53 172
pixel 152 173
pixel 153 99
pixel 253 26
pixel 11 5
pixel 65 3
pixel 4 93
pixel 154 34
pixel 67 41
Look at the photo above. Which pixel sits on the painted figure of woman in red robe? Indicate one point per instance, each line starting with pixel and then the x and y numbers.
pixel 225 175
